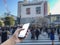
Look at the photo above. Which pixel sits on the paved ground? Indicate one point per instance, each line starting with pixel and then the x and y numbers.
pixel 43 40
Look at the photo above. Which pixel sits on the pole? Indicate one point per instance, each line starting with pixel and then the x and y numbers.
pixel 20 19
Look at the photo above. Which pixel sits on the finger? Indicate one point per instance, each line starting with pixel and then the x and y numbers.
pixel 27 34
pixel 19 29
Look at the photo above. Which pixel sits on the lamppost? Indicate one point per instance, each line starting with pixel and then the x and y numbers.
pixel 19 20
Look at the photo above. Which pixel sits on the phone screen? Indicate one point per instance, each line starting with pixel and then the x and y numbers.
pixel 23 32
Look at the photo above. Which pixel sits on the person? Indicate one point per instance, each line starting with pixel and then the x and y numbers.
pixel 59 34
pixel 58 31
pixel 37 33
pixel 14 28
pixel 3 34
pixel 59 37
pixel 48 31
pixel 32 33
pixel 14 39
pixel 52 37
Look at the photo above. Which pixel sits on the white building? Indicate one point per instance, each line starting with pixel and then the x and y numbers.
pixel 29 10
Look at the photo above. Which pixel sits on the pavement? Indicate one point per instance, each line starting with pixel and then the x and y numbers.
pixel 43 40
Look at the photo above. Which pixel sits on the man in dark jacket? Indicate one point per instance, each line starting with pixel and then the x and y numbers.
pixel 37 33
pixel 4 34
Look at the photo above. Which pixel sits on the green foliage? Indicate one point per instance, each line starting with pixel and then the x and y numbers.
pixel 9 20
pixel 1 23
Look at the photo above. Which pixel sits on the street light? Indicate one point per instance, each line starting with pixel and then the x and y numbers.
pixel 19 20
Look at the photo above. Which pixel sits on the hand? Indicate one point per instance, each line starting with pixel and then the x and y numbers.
pixel 14 39
pixel 15 35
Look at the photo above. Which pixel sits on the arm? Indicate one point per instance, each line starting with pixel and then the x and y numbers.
pixel 14 39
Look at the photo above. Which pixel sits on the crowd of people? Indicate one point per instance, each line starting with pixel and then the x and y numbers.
pixel 36 31
pixel 5 31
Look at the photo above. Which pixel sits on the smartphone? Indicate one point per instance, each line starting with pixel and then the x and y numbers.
pixel 22 34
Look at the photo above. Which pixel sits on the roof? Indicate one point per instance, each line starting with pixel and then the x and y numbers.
pixel 36 3
pixel 20 1
pixel 54 15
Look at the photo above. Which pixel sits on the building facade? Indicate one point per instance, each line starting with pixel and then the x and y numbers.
pixel 29 11
pixel 54 19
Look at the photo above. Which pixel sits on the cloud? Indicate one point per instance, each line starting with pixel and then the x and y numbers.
pixel 56 8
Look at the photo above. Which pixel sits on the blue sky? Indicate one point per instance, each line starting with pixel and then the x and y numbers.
pixel 52 3
pixel 12 5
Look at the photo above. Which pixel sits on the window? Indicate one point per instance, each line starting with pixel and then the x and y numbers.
pixel 58 18
pixel 38 10
pixel 28 11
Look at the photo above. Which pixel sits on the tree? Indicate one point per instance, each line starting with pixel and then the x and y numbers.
pixel 42 21
pixel 1 23
pixel 9 21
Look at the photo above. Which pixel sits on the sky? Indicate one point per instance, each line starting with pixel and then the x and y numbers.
pixel 56 8
pixel 13 5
